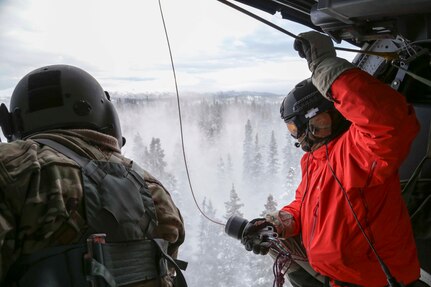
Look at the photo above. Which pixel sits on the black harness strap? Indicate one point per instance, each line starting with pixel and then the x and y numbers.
pixel 179 265
pixel 91 170
pixel 123 263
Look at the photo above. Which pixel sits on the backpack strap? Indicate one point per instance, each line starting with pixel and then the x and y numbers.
pixel 88 166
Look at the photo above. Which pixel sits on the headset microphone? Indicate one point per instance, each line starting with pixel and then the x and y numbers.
pixel 308 144
pixel 298 144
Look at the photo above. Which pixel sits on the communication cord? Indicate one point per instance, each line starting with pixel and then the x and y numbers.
pixel 180 120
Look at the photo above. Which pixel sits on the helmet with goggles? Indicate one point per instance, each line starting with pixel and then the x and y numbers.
pixel 301 104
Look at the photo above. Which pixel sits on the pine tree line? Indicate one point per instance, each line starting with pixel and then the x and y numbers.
pixel 264 175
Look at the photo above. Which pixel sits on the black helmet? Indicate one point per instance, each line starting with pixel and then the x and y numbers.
pixel 301 104
pixel 58 97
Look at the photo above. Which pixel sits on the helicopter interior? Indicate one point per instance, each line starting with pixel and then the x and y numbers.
pixel 399 26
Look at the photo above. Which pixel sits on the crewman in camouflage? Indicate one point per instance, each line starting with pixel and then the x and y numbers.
pixel 42 194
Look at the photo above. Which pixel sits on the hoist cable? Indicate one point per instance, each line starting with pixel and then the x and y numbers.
pixel 180 119
pixel 236 7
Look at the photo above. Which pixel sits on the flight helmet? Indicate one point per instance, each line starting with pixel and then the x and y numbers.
pixel 59 97
pixel 301 104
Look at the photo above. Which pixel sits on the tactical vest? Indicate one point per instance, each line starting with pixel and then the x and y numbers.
pixel 117 250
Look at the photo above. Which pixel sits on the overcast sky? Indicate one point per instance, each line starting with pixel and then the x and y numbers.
pixel 122 44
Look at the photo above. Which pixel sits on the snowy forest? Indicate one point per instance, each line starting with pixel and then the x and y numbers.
pixel 241 161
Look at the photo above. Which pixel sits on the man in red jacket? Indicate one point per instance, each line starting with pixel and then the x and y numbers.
pixel 348 208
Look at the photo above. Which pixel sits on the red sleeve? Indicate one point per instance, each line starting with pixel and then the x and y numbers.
pixel 383 123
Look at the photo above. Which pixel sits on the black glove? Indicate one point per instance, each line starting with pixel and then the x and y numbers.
pixel 314 47
pixel 255 239
pixel 322 60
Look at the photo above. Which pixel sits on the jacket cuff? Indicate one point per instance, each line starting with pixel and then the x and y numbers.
pixel 327 72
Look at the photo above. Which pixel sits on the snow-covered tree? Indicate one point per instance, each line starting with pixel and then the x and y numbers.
pixel 233 255
pixel 155 158
pixel 257 167
pixel 247 150
pixel 270 205
pixel 209 248
pixel 290 176
pixel 273 163
pixel 215 259
pixel 233 206
pixel 211 120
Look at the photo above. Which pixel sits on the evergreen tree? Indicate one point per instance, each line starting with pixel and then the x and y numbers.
pixel 156 158
pixel 261 266
pixel 273 164
pixel 270 205
pixel 232 256
pixel 156 165
pixel 261 273
pixel 291 159
pixel 215 259
pixel 171 184
pixel 183 190
pixel 211 120
pixel 223 180
pixel 247 151
pixel 257 165
pixel 233 205
pixel 209 246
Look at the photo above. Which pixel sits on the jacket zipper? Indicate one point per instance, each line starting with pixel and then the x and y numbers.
pixel 313 226
pixel 364 202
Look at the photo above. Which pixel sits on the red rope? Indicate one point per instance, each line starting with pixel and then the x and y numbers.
pixel 282 261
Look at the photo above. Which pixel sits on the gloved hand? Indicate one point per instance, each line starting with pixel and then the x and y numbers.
pixel 318 49
pixel 314 47
pixel 283 222
pixel 254 239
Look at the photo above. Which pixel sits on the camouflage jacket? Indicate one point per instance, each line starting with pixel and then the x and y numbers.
pixel 41 195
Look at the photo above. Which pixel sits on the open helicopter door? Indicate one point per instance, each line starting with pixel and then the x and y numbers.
pixel 401 26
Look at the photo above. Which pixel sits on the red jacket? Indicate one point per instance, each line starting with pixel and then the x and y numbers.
pixel 366 160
